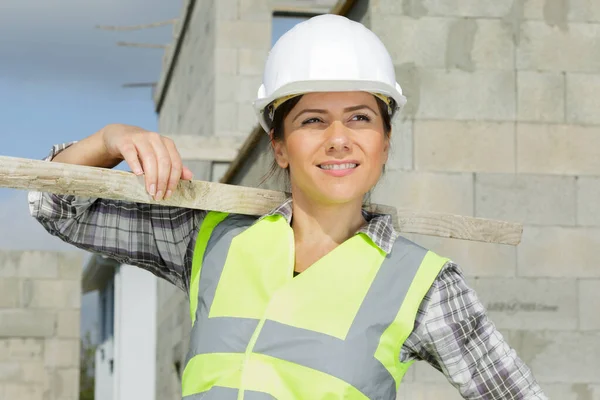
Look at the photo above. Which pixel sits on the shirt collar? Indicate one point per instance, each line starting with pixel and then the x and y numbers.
pixel 379 227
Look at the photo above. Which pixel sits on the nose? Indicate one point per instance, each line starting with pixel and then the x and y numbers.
pixel 338 138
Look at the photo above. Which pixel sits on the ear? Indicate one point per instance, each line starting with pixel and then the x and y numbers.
pixel 386 148
pixel 280 152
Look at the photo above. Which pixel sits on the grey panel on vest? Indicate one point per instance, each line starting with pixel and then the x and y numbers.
pixel 341 358
pixel 210 335
pixel 207 333
pixel 223 393
pixel 215 256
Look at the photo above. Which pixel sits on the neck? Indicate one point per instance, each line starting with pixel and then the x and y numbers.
pixel 319 223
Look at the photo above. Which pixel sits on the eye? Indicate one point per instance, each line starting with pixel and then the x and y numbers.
pixel 361 117
pixel 311 121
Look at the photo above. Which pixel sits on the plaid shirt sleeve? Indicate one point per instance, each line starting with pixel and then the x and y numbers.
pixel 157 238
pixel 453 333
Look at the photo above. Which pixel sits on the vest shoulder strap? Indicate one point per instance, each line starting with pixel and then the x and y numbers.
pixel 211 220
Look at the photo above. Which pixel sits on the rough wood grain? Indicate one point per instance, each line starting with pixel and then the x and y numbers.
pixel 83 181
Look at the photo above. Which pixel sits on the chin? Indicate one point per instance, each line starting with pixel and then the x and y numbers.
pixel 332 195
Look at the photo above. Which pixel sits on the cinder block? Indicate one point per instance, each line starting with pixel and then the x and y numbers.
pixel 588 208
pixel 9 293
pixel 556 13
pixel 247 89
pixel 529 199
pixel 475 259
pixel 575 391
pixel 559 252
pixel 425 373
pixel 27 323
pixel 409 77
pixel 70 265
pixel 34 372
pixel 464 146
pixel 61 353
pixel 409 377
pixel 451 193
pixel 530 304
pixel 541 96
pixel 547 48
pixel 420 41
pixel 23 391
pixel 49 294
pixel 428 391
pixel 256 10
pixel 64 383
pixel 246 118
pixel 226 87
pixel 10 371
pixel 227 61
pixel 493 46
pixel 584 10
pixel 394 7
pixel 226 116
pixel 589 298
pixel 579 353
pixel 400 155
pixel 218 171
pixel 227 10
pixel 243 34
pixel 251 61
pixel 557 149
pixel 576 10
pixel 72 292
pixel 460 95
pixel 20 349
pixel 4 349
pixel 582 97
pixel 468 8
pixel 9 264
pixel 37 264
pixel 68 324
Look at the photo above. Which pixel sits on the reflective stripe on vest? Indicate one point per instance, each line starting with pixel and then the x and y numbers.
pixel 335 330
pixel 222 393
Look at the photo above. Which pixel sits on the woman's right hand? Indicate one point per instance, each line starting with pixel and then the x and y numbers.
pixel 147 153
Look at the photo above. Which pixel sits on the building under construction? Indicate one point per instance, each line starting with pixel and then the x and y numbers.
pixel 502 122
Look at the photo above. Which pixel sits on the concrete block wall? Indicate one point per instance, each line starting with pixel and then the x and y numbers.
pixel 502 122
pixel 40 300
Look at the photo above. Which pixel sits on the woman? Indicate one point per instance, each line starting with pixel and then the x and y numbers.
pixel 317 299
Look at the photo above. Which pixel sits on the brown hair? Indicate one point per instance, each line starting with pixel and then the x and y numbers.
pixel 277 127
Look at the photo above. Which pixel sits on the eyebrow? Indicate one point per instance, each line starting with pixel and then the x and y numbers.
pixel 347 109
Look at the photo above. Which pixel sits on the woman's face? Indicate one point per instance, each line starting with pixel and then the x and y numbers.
pixel 335 146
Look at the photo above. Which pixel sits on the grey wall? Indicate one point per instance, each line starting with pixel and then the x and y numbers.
pixel 40 300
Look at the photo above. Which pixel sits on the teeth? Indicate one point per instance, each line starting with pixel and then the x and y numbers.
pixel 338 166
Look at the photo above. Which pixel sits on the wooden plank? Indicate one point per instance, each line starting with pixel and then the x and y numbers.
pixel 207 148
pixel 93 182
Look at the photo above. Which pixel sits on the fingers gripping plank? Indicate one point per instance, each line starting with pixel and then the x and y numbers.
pixel 19 173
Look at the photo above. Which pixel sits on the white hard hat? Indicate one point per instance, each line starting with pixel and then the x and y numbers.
pixel 327 53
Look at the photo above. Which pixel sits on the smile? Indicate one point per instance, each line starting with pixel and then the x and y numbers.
pixel 338 166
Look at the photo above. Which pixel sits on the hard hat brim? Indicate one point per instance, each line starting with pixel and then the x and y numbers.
pixel 319 86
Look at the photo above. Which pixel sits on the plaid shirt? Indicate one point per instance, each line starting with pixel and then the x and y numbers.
pixel 452 331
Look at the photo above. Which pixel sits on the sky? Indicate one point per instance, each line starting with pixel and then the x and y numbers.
pixel 60 80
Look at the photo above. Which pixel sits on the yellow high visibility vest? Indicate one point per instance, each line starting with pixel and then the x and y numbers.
pixel 333 332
